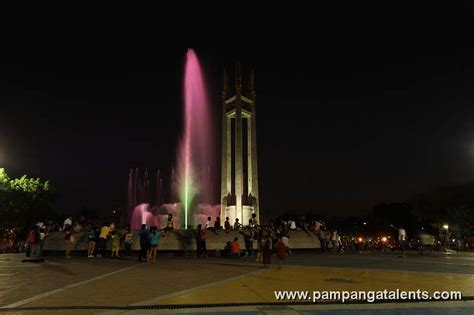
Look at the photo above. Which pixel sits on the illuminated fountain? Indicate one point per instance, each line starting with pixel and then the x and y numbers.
pixel 196 147
pixel 195 151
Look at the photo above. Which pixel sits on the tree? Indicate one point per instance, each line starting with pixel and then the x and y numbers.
pixel 385 214
pixel 24 200
pixel 453 205
pixel 4 179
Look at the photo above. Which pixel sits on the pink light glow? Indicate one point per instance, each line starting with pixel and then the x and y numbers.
pixel 195 153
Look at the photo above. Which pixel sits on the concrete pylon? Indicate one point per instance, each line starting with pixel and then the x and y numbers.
pixel 239 173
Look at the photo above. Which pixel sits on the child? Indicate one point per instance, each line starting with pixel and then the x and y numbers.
pixel 169 224
pixel 115 244
pixel 201 248
pixel 128 242
pixel 227 249
pixel 154 241
pixel 235 247
pixel 227 226
pixel 69 240
pixel 92 235
pixel 280 251
pixel 264 244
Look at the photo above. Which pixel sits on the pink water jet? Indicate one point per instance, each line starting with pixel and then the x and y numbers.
pixel 192 180
pixel 196 147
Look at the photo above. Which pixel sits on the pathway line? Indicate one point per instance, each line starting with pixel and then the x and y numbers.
pixel 70 286
pixel 204 286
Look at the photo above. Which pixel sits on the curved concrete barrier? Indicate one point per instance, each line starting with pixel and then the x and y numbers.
pixel 183 239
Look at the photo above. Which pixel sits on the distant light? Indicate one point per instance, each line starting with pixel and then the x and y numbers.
pixel 384 239
pixel 115 211
pixel 445 226
pixel 422 228
pixel 360 239
pixel 454 240
pixel 365 223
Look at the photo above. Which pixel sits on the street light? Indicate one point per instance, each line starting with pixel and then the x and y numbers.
pixel 445 226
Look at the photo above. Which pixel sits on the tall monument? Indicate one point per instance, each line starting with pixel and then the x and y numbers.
pixel 239 174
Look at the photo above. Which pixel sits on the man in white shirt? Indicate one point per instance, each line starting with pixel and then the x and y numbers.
pixel 68 221
pixel 402 237
pixel 292 224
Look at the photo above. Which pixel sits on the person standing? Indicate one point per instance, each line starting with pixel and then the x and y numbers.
pixel 144 243
pixel 68 238
pixel 154 241
pixel 259 250
pixel 115 244
pixel 334 241
pixel 33 242
pixel 292 224
pixel 248 240
pixel 67 222
pixel 265 249
pixel 280 252
pixel 92 236
pixel 459 245
pixel 201 234
pixel 103 236
pixel 402 236
pixel 42 234
pixel 128 240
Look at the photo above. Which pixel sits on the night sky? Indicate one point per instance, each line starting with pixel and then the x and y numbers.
pixel 354 108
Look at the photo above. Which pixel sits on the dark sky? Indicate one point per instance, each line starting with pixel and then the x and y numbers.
pixel 354 107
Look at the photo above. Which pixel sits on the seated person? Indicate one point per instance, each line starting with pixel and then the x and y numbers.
pixel 227 249
pixel 235 247
pixel 227 225
pixel 169 224
pixel 217 224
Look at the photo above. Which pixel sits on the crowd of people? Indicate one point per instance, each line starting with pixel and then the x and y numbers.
pixel 260 240
pixel 101 236
pixel 267 239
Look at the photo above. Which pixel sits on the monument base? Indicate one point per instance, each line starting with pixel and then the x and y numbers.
pixel 183 240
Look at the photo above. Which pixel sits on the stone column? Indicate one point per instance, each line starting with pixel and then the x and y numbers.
pixel 253 159
pixel 224 158
pixel 238 163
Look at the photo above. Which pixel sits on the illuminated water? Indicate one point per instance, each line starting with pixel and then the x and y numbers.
pixel 196 146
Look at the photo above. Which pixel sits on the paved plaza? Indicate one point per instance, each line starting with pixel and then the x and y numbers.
pixel 125 286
